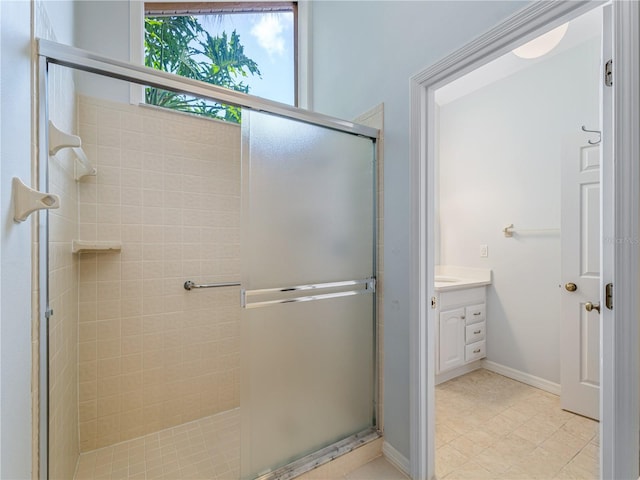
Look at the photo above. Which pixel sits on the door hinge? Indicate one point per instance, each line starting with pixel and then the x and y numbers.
pixel 608 73
pixel 48 313
pixel 608 296
pixel 433 302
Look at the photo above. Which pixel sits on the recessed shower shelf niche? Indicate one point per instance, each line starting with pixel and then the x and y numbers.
pixel 59 140
pixel 95 246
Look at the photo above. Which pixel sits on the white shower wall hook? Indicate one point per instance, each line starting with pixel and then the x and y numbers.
pixel 59 140
pixel 26 200
pixel 598 132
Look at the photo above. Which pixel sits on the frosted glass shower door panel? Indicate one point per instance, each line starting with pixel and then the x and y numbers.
pixel 307 203
pixel 311 379
pixel 308 267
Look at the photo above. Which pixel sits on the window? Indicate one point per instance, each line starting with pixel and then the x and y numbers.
pixel 245 46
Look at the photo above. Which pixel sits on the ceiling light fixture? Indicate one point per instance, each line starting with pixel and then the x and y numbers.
pixel 543 44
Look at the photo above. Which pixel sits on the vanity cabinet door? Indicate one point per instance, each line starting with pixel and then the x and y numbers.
pixel 451 339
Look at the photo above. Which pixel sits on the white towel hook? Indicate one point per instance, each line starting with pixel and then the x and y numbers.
pixel 59 140
pixel 585 129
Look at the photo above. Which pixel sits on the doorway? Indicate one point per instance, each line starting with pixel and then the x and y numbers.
pixel 618 427
pixel 502 168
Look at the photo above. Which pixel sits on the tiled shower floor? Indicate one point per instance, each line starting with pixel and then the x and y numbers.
pixel 208 448
pixel 205 449
pixel 491 427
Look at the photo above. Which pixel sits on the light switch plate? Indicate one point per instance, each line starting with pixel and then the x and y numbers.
pixel 484 251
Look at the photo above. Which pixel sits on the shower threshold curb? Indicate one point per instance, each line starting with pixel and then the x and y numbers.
pixel 323 456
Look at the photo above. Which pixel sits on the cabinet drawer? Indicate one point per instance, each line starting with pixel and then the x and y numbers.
pixel 474 332
pixel 475 313
pixel 475 351
pixel 460 298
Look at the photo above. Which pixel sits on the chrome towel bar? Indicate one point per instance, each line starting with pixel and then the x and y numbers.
pixel 189 285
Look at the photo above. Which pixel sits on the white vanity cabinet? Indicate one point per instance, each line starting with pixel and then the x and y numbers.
pixel 460 327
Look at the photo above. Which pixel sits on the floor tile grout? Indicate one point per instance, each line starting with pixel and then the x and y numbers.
pixel 489 426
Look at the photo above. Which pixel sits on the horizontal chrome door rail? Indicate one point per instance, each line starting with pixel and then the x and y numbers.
pixel 368 286
pixel 189 285
pixel 90 62
pixel 346 283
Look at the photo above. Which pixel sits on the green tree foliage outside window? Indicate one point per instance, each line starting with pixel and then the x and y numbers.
pixel 182 46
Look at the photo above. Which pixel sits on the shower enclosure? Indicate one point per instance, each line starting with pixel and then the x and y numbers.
pixel 208 295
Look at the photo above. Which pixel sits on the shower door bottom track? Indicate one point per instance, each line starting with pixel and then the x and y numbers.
pixel 323 456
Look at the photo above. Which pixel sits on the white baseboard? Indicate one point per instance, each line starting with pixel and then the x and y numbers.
pixel 396 459
pixel 523 377
pixel 456 372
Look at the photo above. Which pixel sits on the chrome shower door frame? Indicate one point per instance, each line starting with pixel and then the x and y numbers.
pixel 89 62
pixel 44 311
pixel 49 52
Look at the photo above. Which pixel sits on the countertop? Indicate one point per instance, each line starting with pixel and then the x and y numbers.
pixel 448 277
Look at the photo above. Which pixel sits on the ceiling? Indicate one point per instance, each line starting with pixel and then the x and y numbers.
pixel 581 29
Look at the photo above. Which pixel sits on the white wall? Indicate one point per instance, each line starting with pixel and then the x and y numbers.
pixel 16 141
pixel 60 18
pixel 363 54
pixel 102 26
pixel 15 243
pixel 1 197
pixel 500 161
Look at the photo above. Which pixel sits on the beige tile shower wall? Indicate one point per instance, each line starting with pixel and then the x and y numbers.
pixel 151 354
pixel 63 286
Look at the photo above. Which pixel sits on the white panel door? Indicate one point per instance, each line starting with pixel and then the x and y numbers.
pixel 580 244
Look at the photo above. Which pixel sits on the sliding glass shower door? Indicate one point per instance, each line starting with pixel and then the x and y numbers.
pixel 308 324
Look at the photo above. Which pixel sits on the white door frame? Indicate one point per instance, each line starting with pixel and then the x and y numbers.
pixel 620 400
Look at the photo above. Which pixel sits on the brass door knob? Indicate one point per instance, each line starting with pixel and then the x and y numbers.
pixel 570 287
pixel 592 306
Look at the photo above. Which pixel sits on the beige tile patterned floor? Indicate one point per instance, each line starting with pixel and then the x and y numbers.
pixel 491 427
pixel 378 469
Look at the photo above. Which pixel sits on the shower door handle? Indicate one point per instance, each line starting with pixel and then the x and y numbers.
pixel 305 293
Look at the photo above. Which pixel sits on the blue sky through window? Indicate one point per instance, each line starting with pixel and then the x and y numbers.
pixel 268 40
